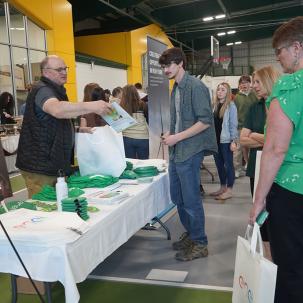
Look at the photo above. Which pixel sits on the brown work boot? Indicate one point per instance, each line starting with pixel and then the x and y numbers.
pixel 183 243
pixel 195 251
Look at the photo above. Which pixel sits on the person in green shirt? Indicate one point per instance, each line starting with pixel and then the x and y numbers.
pixel 252 134
pixel 281 169
pixel 243 100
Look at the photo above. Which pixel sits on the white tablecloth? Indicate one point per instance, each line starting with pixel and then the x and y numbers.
pixel 111 227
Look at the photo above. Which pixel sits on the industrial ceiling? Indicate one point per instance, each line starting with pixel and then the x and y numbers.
pixel 184 20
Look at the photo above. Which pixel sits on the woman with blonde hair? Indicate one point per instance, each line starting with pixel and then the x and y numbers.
pixel 136 138
pixel 226 123
pixel 252 134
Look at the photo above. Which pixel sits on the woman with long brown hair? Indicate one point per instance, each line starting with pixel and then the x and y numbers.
pixel 226 123
pixel 92 92
pixel 136 138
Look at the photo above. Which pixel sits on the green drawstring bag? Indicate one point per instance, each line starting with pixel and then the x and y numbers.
pixel 146 171
pixel 128 174
pixel 129 166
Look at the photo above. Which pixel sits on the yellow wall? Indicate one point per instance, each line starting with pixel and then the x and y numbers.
pixel 56 17
pixel 114 47
pixel 126 48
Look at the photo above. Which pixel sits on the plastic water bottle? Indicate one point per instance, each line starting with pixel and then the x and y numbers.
pixel 61 189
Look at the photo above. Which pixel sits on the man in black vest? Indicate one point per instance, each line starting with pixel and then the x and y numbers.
pixel 47 136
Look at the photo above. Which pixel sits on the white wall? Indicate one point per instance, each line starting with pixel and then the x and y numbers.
pixel 106 77
pixel 212 82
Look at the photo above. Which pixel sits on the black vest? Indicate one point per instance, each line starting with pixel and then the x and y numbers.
pixel 45 145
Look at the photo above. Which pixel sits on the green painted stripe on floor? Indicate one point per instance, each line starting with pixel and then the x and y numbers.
pixel 17 183
pixel 92 291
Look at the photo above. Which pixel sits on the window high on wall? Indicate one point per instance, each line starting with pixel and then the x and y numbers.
pixel 22 47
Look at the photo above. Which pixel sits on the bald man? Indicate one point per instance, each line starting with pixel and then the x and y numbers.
pixel 47 136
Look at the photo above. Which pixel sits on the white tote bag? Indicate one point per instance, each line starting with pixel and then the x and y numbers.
pixel 255 276
pixel 101 152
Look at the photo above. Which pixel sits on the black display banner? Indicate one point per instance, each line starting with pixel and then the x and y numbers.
pixel 158 99
pixel 5 185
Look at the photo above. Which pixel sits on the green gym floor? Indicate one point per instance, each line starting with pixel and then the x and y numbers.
pixel 92 291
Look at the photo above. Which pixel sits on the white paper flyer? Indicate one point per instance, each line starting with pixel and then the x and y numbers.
pixel 119 119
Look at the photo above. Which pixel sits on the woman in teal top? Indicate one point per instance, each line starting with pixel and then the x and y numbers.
pixel 281 171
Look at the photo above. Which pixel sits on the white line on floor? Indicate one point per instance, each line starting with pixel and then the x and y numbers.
pixel 14 176
pixel 161 283
pixel 19 191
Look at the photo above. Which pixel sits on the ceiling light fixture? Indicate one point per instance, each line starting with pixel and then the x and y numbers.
pixel 229 44
pixel 17 28
pixel 208 19
pixel 220 16
pixel 221 34
pixel 231 32
pixel 238 42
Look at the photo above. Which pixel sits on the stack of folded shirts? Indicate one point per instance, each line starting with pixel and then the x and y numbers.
pixel 90 181
pixel 146 171
pixel 78 205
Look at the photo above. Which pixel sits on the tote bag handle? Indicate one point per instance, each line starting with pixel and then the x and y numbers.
pixel 254 238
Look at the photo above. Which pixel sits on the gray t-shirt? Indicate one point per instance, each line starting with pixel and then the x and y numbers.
pixel 43 94
pixel 178 108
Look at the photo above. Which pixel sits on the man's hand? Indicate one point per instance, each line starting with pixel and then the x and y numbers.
pixel 101 107
pixel 170 140
pixel 86 129
pixel 164 136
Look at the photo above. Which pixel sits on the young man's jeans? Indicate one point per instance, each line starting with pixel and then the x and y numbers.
pixel 185 193
pixel 225 166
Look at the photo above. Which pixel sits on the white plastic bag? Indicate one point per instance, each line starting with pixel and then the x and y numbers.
pixel 101 152
pixel 255 276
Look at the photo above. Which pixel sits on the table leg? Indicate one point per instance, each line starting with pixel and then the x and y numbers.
pixel 164 226
pixel 148 226
pixel 48 291
pixel 14 288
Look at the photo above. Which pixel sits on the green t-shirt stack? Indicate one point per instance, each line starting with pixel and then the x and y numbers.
pixel 88 181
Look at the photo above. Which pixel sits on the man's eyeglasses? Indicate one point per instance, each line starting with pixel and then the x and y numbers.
pixel 59 69
pixel 163 66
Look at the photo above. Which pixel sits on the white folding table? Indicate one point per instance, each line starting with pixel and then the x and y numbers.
pixel 112 226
